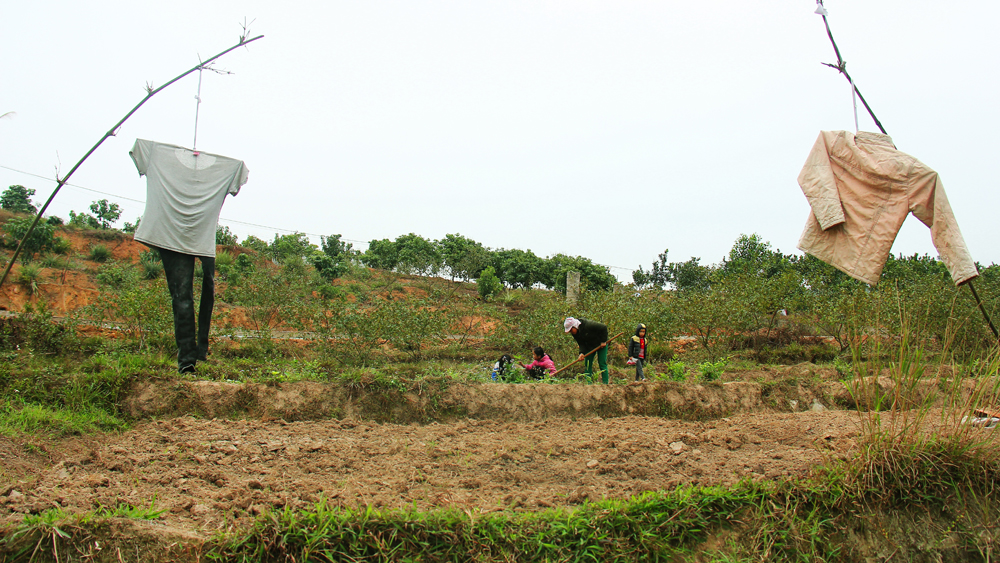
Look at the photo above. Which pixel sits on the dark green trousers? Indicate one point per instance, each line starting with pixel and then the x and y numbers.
pixel 192 342
pixel 602 362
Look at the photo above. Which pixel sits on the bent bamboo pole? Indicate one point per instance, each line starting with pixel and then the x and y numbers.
pixel 982 309
pixel 567 366
pixel 60 182
pixel 842 67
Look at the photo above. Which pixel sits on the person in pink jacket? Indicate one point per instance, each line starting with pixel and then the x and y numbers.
pixel 542 363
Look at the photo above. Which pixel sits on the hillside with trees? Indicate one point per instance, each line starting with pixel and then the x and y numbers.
pixel 348 408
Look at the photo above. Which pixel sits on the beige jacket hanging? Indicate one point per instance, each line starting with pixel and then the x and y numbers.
pixel 860 189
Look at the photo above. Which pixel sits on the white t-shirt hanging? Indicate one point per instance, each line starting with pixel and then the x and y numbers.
pixel 184 195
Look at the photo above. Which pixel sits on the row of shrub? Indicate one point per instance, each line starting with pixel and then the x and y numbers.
pixel 363 322
pixel 757 302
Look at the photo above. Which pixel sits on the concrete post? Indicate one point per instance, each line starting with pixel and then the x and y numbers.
pixel 572 287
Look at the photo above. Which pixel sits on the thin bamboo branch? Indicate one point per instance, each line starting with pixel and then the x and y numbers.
pixel 843 71
pixel 842 67
pixel 60 182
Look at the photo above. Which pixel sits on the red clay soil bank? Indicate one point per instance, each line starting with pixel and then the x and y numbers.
pixel 452 401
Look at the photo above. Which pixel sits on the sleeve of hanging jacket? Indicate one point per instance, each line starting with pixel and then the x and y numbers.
pixel 819 184
pixel 929 203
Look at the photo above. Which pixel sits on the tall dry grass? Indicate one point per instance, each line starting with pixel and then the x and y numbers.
pixel 917 440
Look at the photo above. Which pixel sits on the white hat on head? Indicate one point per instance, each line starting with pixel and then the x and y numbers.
pixel 571 323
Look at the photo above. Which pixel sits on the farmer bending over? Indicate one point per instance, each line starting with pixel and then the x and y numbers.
pixel 590 335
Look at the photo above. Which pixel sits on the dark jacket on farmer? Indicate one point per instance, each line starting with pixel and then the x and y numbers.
pixel 590 335
pixel 636 344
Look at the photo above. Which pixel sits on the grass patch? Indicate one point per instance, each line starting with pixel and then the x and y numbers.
pixel 99 253
pixel 673 370
pixel 916 443
pixel 794 522
pixel 652 527
pixel 29 276
pixel 32 419
pixel 783 522
pixel 59 534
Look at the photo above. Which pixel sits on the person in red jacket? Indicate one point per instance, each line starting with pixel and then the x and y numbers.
pixel 637 351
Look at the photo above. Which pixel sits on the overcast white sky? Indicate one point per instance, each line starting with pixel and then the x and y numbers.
pixel 606 129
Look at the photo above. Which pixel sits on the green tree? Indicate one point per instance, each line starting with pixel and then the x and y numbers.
pixel 295 246
pixel 18 200
pixel 264 293
pixel 335 258
pixel 641 279
pixel 683 275
pixel 817 275
pixel 909 270
pixel 335 248
pixel 139 308
pixel 417 255
pixel 39 240
pixel 223 235
pixel 758 302
pixel 518 268
pixel 107 213
pixel 658 276
pixel 255 244
pixel 837 311
pixel 750 255
pixel 488 283
pixel 412 324
pixel 556 267
pixel 355 332
pixel 133 227
pixel 381 254
pixel 707 314
pixel 690 275
pixel 83 220
pixel 463 257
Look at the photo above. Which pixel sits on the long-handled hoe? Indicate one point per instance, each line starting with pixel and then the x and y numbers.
pixel 567 366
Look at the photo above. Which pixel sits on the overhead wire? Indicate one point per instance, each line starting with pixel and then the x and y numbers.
pixel 224 219
pixel 72 185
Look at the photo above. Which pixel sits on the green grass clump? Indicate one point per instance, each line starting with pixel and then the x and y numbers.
pixel 916 443
pixel 152 266
pixel 29 418
pixel 61 245
pixel 57 531
pixel 55 261
pixel 672 371
pixel 29 276
pixel 68 396
pixel 656 526
pixel 710 371
pixel 99 253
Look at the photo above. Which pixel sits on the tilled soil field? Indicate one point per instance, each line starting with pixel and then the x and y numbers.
pixel 209 474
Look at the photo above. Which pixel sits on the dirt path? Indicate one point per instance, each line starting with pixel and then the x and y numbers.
pixel 213 473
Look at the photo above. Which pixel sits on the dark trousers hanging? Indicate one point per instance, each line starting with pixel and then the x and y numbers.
pixel 192 344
